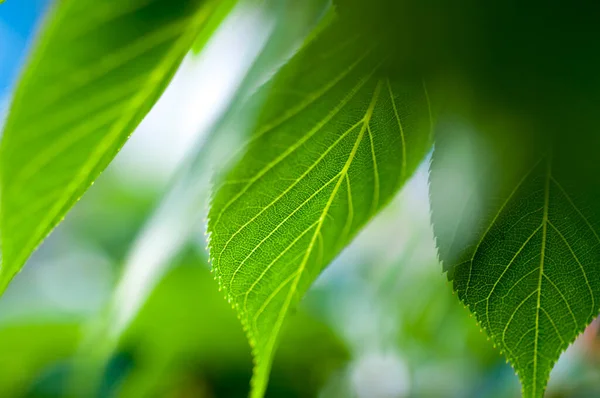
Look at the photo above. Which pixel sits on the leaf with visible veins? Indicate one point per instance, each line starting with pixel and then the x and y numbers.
pixel 520 239
pixel 335 142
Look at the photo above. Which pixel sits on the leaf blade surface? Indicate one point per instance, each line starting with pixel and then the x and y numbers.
pixel 526 260
pixel 91 78
pixel 336 140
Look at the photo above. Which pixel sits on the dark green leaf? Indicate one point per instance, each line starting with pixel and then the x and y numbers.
pixel 517 225
pixel 336 140
pixel 97 69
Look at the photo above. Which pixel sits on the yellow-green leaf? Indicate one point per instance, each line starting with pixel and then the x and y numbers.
pixel 336 140
pixel 96 70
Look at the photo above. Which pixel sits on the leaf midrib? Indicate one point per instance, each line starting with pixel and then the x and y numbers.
pixel 541 271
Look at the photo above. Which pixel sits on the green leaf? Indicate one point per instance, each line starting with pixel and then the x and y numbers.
pixel 336 140
pixel 95 72
pixel 517 225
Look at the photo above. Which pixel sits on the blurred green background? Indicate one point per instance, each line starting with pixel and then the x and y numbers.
pixel 380 322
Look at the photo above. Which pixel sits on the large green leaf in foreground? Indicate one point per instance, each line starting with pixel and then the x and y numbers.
pixel 335 142
pixel 96 70
pixel 517 225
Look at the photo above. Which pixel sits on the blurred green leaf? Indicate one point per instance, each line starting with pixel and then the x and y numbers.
pixel 336 140
pixel 219 12
pixel 112 214
pixel 185 336
pixel 184 340
pixel 519 238
pixel 95 72
pixel 28 349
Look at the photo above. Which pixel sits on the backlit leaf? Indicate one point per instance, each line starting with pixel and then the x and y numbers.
pixel 336 140
pixel 96 70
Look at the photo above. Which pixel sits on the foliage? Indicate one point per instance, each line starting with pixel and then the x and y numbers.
pixel 328 152
pixel 336 132
pixel 82 94
pixel 527 264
